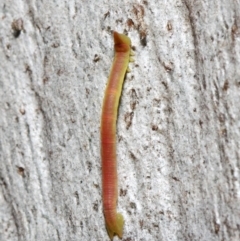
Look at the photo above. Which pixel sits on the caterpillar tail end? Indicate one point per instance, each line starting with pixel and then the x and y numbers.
pixel 115 227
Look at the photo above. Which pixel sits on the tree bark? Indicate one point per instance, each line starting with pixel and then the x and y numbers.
pixel 178 132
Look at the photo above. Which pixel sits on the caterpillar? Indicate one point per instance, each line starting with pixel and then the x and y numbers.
pixel 114 221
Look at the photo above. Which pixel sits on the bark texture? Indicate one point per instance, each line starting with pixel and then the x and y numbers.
pixel 178 122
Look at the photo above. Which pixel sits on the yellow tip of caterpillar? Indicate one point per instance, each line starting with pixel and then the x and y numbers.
pixel 132 53
pixel 131 59
pixel 128 70
pixel 116 228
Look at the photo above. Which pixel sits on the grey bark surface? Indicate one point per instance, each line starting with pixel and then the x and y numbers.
pixel 178 129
